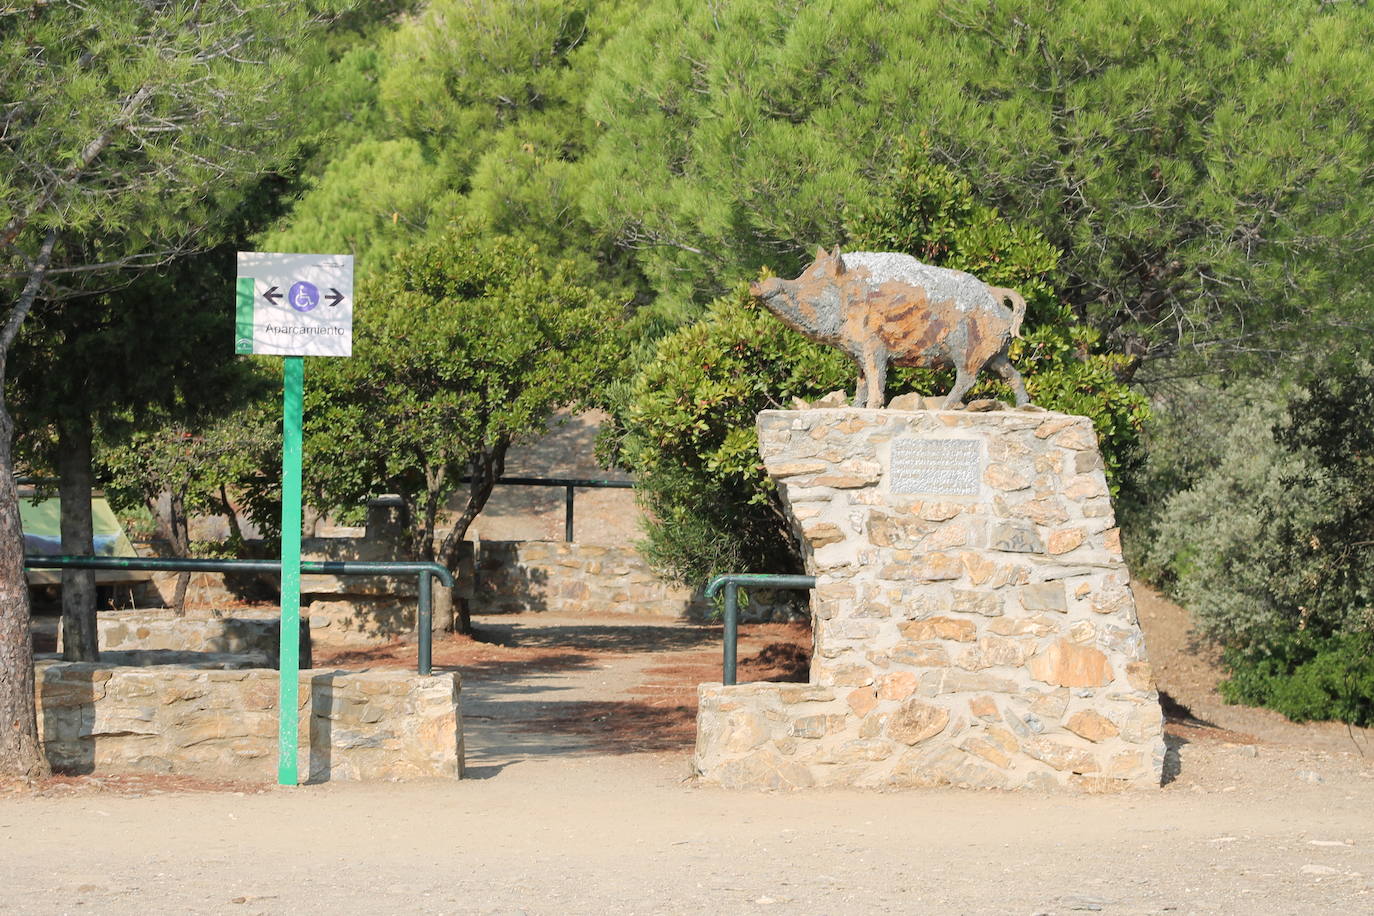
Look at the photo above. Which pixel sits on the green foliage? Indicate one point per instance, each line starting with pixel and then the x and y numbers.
pixel 1217 546
pixel 193 462
pixel 1272 528
pixel 1306 677
pixel 1201 186
pixel 463 345
pixel 147 130
pixel 141 353
pixel 1203 166
pixel 689 422
pixel 202 469
pixel 690 438
pixel 376 197
pixel 138 120
pixel 732 136
pixel 468 109
pixel 1263 526
pixel 1332 425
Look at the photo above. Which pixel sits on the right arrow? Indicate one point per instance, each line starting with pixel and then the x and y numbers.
pixel 272 295
pixel 334 297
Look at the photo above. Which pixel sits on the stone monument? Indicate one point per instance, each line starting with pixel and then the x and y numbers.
pixel 974 623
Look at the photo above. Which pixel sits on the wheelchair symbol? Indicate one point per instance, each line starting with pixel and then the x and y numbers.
pixel 303 296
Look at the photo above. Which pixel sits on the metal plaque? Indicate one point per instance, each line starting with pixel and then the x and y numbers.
pixel 951 467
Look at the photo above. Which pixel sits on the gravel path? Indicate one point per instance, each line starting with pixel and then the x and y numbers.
pixel 550 822
pixel 573 833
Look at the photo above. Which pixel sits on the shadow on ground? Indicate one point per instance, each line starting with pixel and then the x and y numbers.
pixel 580 689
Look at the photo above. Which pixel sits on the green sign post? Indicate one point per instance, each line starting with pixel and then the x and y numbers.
pixel 292 305
pixel 288 700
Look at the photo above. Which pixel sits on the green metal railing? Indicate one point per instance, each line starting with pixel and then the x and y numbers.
pixel 423 570
pixel 731 584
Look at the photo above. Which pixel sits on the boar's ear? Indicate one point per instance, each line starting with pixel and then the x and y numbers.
pixel 839 261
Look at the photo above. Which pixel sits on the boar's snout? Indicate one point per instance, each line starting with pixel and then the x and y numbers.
pixel 766 289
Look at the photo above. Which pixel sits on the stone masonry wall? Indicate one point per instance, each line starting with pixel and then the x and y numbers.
pixel 578 579
pixel 243 631
pixel 573 579
pixel 974 623
pixel 222 724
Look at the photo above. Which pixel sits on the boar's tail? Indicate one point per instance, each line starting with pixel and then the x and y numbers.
pixel 1018 306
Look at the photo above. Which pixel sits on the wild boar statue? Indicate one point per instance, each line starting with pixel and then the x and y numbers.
pixel 890 309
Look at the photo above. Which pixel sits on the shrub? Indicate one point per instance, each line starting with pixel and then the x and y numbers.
pixel 1268 539
pixel 1276 533
pixel 1305 676
pixel 689 436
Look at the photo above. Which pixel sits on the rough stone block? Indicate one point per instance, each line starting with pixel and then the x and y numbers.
pixel 1067 665
pixel 954 628
pixel 1023 626
pixel 224 723
pixel 896 686
pixel 1064 540
pixel 953 680
pixel 984 603
pixel 919 655
pixel 915 721
pixel 1015 537
pixel 1042 510
pixel 1044 596
pixel 1061 755
pixel 1090 725
pixel 809 727
pixel 932 567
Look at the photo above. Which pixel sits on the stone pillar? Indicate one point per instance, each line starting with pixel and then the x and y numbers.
pixel 386 521
pixel 974 623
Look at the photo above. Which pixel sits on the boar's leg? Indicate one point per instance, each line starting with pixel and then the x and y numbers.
pixel 1003 367
pixel 873 371
pixel 963 381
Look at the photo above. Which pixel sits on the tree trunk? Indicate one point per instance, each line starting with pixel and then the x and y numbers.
pixel 173 529
pixel 231 514
pixel 483 472
pixel 442 604
pixel 78 585
pixel 179 594
pixel 20 753
pixel 462 616
pixel 181 546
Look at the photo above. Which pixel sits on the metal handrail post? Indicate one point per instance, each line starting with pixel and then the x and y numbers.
pixel 568 484
pixel 731 584
pixel 426 625
pixel 568 515
pixel 731 633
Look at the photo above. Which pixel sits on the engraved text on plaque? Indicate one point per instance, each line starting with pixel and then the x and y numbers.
pixel 947 466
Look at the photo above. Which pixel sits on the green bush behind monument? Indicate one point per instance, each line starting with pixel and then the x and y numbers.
pixel 1259 518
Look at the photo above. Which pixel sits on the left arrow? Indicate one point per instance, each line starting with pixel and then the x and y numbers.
pixel 334 297
pixel 272 295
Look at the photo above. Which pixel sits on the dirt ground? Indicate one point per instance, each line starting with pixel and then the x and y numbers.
pixel 578 800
